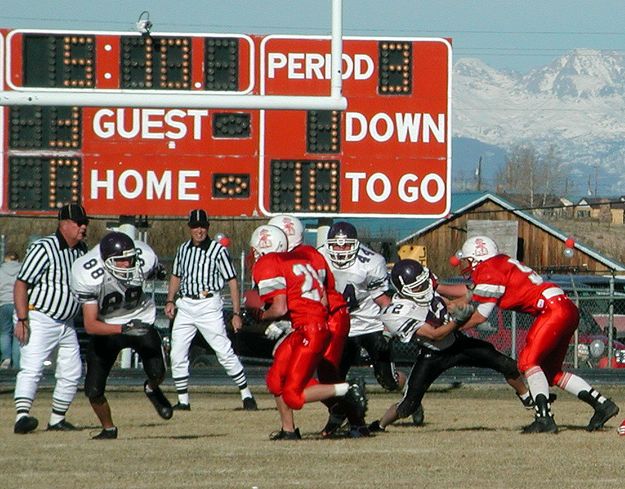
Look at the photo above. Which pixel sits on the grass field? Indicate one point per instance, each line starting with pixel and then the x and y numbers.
pixel 471 440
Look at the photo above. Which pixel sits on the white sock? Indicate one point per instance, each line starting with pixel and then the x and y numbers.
pixel 56 418
pixel 525 396
pixel 537 382
pixel 183 398
pixel 574 384
pixel 341 389
pixel 246 393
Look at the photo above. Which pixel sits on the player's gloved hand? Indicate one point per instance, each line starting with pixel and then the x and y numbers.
pixel 277 329
pixel 462 313
pixel 136 328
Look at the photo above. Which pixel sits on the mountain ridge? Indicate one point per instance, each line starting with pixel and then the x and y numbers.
pixel 576 103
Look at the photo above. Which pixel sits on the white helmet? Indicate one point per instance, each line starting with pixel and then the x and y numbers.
pixel 478 249
pixel 292 227
pixel 268 239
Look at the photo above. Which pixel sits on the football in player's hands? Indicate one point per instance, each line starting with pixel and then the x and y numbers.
pixel 136 328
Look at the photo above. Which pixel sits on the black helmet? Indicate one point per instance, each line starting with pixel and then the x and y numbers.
pixel 412 280
pixel 344 236
pixel 119 246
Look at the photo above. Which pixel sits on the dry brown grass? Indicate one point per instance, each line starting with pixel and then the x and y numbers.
pixel 471 440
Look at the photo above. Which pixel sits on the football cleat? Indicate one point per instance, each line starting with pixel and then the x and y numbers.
pixel 542 424
pixel 358 432
pixel 603 412
pixel 180 406
pixel 159 401
pixel 25 424
pixel 621 429
pixel 336 420
pixel 286 435
pixel 249 404
pixel 62 426
pixel 106 434
pixel 376 428
pixel 334 424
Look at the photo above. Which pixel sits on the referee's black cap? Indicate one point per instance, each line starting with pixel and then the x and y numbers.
pixel 198 218
pixel 74 212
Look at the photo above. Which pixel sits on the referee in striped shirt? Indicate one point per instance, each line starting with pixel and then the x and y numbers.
pixel 45 310
pixel 201 269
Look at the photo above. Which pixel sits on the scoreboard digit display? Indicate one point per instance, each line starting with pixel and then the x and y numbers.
pixel 388 153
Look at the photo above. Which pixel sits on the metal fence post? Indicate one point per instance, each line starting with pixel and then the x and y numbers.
pixel 611 322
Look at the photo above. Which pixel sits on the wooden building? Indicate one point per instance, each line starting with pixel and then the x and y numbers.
pixel 539 245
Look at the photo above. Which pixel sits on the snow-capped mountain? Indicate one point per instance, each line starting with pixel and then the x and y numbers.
pixel 576 103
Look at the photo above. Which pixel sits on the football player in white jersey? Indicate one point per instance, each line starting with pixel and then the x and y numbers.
pixel 361 276
pixel 419 314
pixel 108 281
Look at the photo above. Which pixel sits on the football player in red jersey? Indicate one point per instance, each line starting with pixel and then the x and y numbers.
pixel 294 288
pixel 329 370
pixel 499 280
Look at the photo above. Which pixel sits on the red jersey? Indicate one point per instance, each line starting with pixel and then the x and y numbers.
pixel 335 298
pixel 510 284
pixel 292 274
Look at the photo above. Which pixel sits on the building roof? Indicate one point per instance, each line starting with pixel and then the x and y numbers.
pixel 402 230
pixel 463 202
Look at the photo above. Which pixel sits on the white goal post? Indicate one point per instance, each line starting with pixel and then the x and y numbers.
pixel 127 98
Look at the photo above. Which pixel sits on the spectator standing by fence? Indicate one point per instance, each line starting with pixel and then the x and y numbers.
pixel 9 347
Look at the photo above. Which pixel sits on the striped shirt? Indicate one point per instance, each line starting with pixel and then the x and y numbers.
pixel 203 268
pixel 47 270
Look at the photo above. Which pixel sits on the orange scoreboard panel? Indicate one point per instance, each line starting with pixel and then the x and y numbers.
pixel 388 153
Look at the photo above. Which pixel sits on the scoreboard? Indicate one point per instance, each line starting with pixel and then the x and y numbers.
pixel 388 153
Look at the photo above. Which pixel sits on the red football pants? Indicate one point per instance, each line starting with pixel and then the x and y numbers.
pixel 548 338
pixel 295 362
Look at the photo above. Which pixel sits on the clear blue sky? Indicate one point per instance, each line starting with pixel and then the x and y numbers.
pixel 517 35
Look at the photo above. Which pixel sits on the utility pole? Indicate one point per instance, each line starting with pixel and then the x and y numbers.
pixel 478 174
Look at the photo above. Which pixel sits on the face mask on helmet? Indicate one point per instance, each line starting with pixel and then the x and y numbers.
pixel 292 227
pixel 119 255
pixel 268 239
pixel 342 244
pixel 412 280
pixel 475 250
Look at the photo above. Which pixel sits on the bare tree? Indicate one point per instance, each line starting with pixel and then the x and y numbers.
pixel 528 173
pixel 519 175
pixel 553 178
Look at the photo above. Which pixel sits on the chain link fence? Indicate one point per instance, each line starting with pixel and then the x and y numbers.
pixel 599 341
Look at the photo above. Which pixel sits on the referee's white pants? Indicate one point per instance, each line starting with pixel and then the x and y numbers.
pixel 205 315
pixel 46 334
